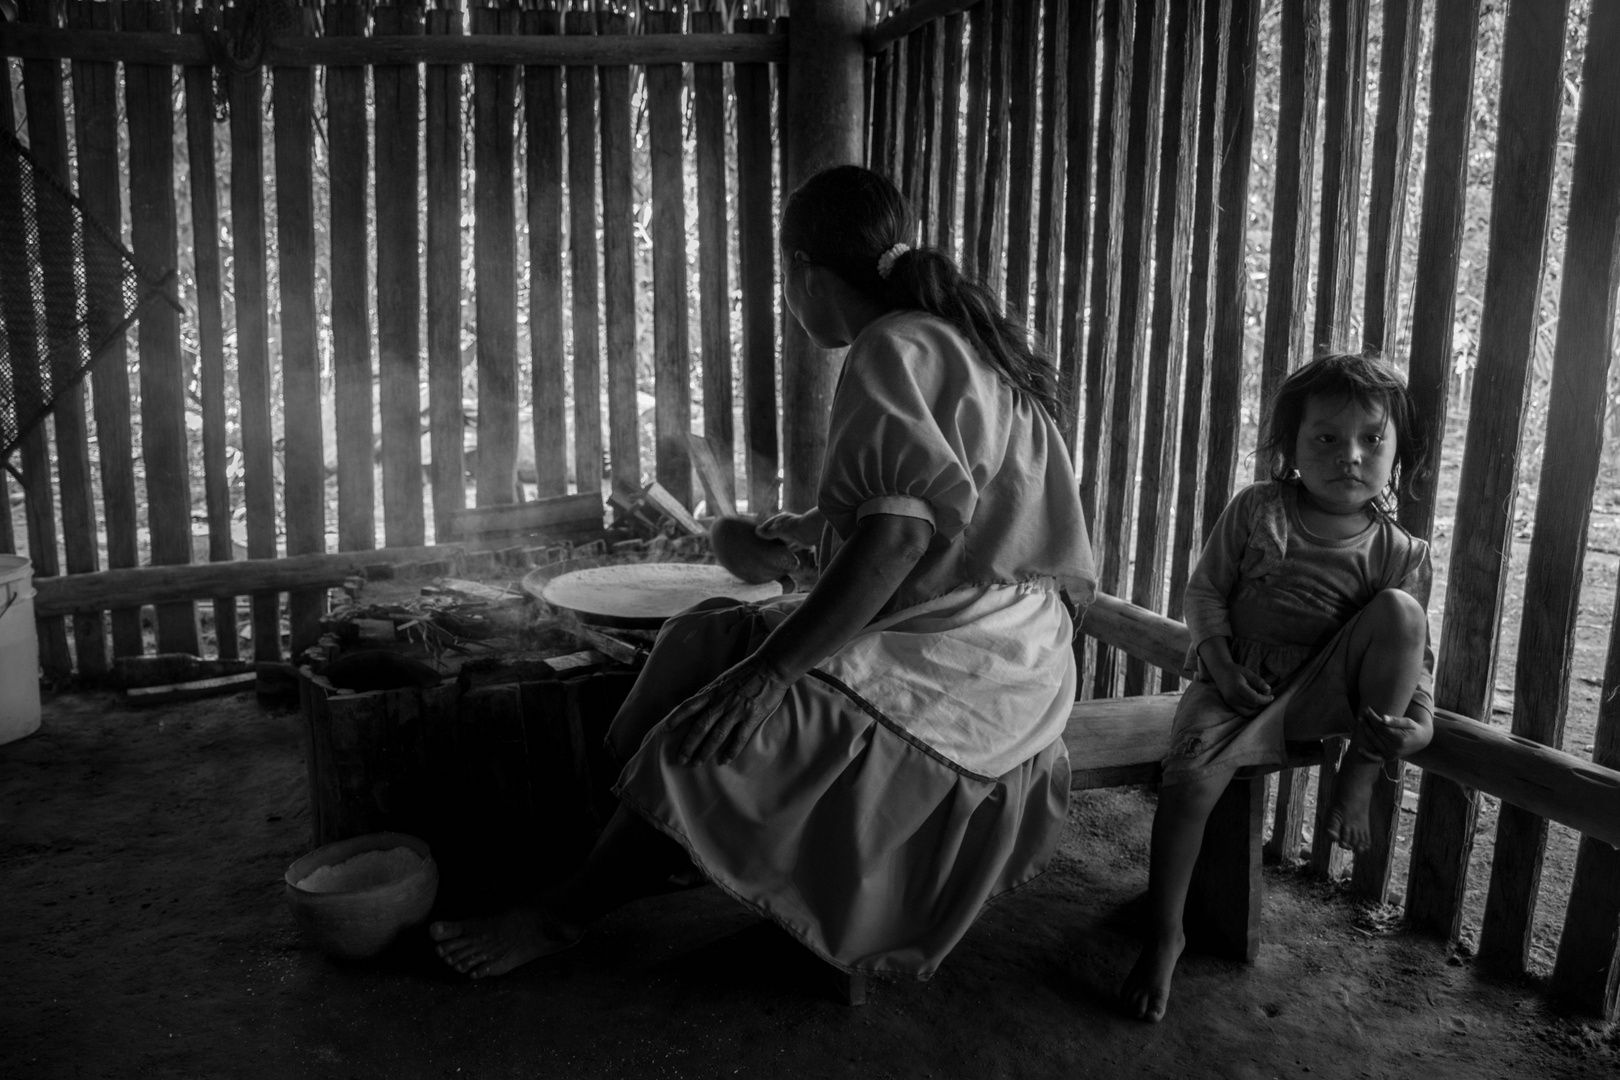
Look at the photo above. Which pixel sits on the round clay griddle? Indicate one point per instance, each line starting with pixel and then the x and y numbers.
pixel 643 595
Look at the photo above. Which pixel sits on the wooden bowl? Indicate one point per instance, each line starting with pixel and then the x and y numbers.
pixel 361 922
pixel 738 548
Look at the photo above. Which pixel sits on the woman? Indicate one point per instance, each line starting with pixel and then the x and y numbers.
pixel 867 764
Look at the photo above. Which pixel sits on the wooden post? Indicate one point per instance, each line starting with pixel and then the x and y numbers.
pixel 147 90
pixel 714 294
pixel 672 362
pixel 880 108
pixel 1081 78
pixel 446 421
pixel 1183 57
pixel 909 179
pixel 619 270
pixel 978 73
pixel 1023 57
pixel 495 263
pixel 581 93
pixel 992 207
pixel 542 110
pixel 1343 123
pixel 199 82
pixel 1047 318
pixel 95 111
pixel 1572 454
pixel 824 129
pixel 399 283
pixel 927 210
pixel 1532 82
pixel 756 273
pixel 950 133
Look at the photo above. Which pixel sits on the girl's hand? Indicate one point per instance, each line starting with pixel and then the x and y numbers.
pixel 1394 736
pixel 723 716
pixel 798 530
pixel 1243 690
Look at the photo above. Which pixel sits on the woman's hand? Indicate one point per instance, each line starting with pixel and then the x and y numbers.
pixel 1394 736
pixel 1243 690
pixel 723 716
pixel 798 530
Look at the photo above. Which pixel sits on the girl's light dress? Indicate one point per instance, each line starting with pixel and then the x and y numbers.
pixel 920 771
pixel 1289 601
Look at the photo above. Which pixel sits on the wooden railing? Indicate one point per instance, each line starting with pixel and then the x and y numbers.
pixel 1116 240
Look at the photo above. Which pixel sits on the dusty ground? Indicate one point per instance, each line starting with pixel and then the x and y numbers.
pixel 145 936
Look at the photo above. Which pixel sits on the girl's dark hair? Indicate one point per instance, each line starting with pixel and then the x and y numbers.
pixel 1371 383
pixel 846 217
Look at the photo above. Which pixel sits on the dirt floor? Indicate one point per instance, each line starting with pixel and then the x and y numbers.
pixel 145 935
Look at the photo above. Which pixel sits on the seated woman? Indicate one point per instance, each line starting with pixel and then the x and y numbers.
pixel 869 763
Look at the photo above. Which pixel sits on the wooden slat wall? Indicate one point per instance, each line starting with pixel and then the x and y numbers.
pixel 1023 55
pixel 988 260
pixel 714 287
pixel 1078 125
pixel 542 112
pixel 619 270
pixel 580 82
pixel 974 158
pixel 671 352
pixel 756 272
pixel 950 131
pixel 1054 53
pixel 1343 123
pixel 443 98
pixel 495 262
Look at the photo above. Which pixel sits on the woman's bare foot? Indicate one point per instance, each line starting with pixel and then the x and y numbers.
pixel 1347 821
pixel 1146 992
pixel 499 943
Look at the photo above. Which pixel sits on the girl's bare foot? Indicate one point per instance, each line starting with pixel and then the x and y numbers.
pixel 1146 992
pixel 1347 821
pixel 499 943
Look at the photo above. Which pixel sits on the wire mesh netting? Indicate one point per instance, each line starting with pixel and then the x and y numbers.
pixel 68 287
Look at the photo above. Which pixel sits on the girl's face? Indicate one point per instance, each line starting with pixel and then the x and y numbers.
pixel 1344 452
pixel 807 299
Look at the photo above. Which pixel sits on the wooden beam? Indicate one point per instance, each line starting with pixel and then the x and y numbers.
pixel 133 47
pixel 559 515
pixel 909 19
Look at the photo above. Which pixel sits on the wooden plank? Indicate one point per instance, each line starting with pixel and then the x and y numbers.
pixel 446 421
pixel 304 494
pixel 1532 84
pixel 974 160
pixel 164 49
pixel 348 174
pixel 1178 153
pixel 1288 279
pixel 910 178
pixel 1344 119
pixel 1102 329
pixel 48 140
pixel 619 270
pixel 927 206
pixel 1023 58
pixel 756 278
pixel 580 89
pixel 1231 275
pixel 495 263
pixel 1082 96
pixel 992 207
pixel 672 363
pixel 712 475
pixel 897 110
pixel 542 110
pixel 1386 214
pixel 1124 424
pixel 397 90
pixel 558 515
pixel 1572 455
pixel 211 375
pixel 194 690
pixel 881 108
pixel 950 134
pixel 1391 170
pixel 148 105
pixel 714 294
pixel 1054 164
pixel 913 17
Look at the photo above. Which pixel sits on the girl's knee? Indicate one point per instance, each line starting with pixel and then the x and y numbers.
pixel 1397 612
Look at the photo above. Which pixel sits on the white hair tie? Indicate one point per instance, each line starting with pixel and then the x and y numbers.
pixel 886 260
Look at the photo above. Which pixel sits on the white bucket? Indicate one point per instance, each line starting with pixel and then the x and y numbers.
pixel 19 650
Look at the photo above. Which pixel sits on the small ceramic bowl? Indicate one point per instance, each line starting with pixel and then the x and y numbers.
pixel 754 559
pixel 356 923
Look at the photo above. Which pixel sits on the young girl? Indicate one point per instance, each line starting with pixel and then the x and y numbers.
pixel 870 763
pixel 1307 612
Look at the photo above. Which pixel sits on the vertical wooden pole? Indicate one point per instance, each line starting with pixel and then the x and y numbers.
pixel 823 129
pixel 927 209
pixel 910 178
pixel 199 82
pixel 992 208
pixel 1532 84
pixel 1183 57
pixel 1572 455
pixel 495 263
pixel 399 282
pixel 1054 165
pixel 304 500
pixel 881 108
pixel 1287 288
pixel 95 112
pixel 714 294
pixel 1023 56
pixel 897 115
pixel 542 110
pixel 950 134
pixel 1386 213
pixel 619 269
pixel 974 161
pixel 1078 126
pixel 446 420
pixel 147 89
pixel 1343 124
pixel 48 139
pixel 251 295
pixel 672 361
pixel 581 93
pixel 756 273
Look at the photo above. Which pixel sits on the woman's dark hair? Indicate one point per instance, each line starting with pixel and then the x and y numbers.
pixel 1370 383
pixel 845 218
